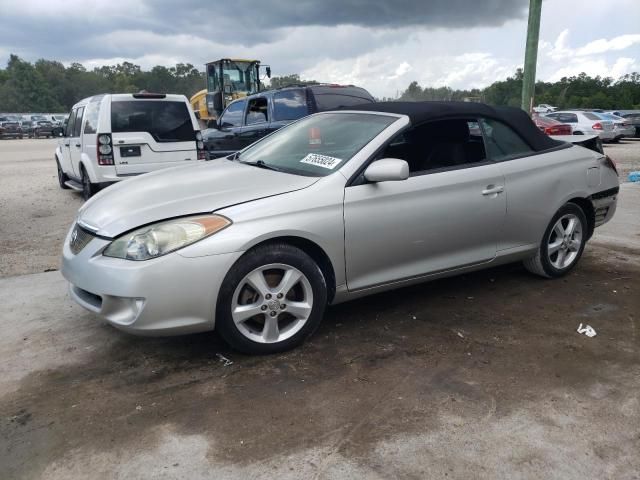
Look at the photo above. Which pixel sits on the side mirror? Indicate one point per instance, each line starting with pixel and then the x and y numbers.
pixel 268 69
pixel 387 170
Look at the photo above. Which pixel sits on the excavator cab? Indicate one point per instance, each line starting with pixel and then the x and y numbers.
pixel 230 79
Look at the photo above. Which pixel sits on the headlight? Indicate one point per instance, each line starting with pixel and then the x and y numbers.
pixel 165 237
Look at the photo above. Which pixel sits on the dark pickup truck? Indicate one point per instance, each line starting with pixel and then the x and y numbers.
pixel 10 128
pixel 248 119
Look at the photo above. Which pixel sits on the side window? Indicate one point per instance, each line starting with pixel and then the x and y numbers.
pixel 232 116
pixel 289 105
pixel 91 118
pixel 329 101
pixel 77 126
pixel 567 118
pixel 257 111
pixel 592 116
pixel 68 131
pixel 501 141
pixel 445 144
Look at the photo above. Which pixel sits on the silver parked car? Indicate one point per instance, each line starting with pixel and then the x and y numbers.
pixel 586 123
pixel 622 127
pixel 335 206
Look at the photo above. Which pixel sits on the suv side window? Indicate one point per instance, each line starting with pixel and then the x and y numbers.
pixel 91 118
pixel 232 116
pixel 330 101
pixel 257 111
pixel 68 131
pixel 501 141
pixel 77 126
pixel 289 105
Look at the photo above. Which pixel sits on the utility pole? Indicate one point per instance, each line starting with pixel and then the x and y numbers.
pixel 531 55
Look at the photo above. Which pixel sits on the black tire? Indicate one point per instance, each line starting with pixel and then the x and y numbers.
pixel 62 177
pixel 88 189
pixel 277 253
pixel 541 263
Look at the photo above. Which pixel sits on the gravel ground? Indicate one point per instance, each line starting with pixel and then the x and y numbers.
pixel 36 213
pixel 626 154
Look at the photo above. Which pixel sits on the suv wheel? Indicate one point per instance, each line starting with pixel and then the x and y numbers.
pixel 271 300
pixel 562 244
pixel 88 189
pixel 62 177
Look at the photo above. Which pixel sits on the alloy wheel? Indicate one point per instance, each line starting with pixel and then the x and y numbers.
pixel 564 241
pixel 272 303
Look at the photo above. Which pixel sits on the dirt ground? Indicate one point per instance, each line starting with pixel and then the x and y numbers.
pixel 477 376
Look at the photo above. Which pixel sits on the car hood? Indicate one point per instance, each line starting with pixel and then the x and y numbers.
pixel 185 190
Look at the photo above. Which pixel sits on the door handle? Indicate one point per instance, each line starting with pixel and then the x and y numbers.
pixel 493 190
pixel 77 144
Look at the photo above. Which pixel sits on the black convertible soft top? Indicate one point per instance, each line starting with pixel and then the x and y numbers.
pixel 420 112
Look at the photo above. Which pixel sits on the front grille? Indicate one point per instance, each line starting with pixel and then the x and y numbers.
pixel 79 239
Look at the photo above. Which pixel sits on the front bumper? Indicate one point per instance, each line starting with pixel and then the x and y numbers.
pixel 169 295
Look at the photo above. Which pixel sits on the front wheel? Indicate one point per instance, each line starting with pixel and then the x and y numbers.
pixel 562 244
pixel 271 300
pixel 62 177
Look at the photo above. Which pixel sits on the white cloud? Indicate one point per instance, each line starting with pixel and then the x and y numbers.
pixel 594 58
pixel 603 45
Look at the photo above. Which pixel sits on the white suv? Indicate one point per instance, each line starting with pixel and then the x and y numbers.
pixel 112 137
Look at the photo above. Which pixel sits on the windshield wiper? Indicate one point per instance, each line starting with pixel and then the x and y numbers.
pixel 262 164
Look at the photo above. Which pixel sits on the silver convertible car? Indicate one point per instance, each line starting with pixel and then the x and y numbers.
pixel 335 206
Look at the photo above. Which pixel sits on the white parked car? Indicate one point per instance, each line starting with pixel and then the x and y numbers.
pixel 112 137
pixel 586 123
pixel 544 108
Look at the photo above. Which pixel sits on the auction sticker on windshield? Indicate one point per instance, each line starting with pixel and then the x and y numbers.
pixel 323 161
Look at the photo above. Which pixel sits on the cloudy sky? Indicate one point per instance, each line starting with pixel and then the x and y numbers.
pixel 379 44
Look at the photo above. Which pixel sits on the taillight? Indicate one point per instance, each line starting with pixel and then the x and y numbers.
pixel 558 130
pixel 202 153
pixel 104 147
pixel 597 126
pixel 608 161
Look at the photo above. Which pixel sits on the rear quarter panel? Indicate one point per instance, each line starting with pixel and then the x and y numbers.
pixel 537 186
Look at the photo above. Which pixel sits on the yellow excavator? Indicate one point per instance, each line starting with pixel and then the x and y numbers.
pixel 227 80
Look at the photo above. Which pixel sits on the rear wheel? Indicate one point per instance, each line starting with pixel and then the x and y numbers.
pixel 562 244
pixel 88 189
pixel 271 300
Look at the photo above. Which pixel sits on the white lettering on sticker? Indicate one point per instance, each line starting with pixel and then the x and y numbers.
pixel 323 161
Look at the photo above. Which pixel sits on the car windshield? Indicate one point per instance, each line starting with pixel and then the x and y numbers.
pixel 317 145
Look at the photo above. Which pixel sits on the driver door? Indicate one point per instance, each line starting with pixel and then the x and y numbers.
pixel 436 220
pixel 227 140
